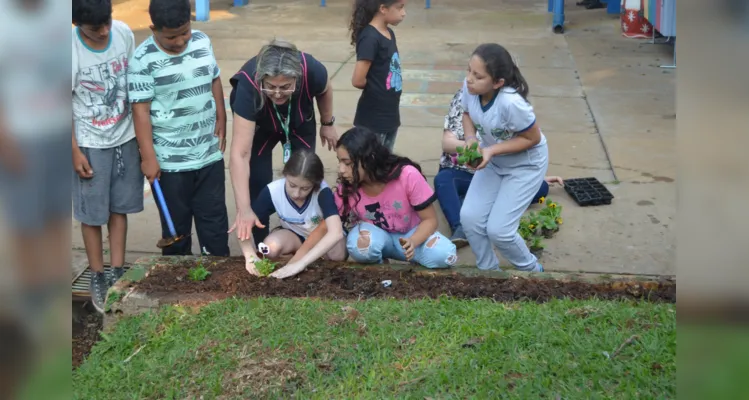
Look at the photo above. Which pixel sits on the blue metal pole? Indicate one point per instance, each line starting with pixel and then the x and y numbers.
pixel 202 10
pixel 239 3
pixel 558 21
pixel 322 3
pixel 428 4
pixel 164 209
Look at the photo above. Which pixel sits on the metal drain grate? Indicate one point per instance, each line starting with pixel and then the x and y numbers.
pixel 81 283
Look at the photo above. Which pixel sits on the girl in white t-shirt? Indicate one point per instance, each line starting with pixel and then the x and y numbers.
pixel 498 115
pixel 302 201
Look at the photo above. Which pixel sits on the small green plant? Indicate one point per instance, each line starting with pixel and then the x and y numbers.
pixel 536 226
pixel 469 156
pixel 536 243
pixel 527 228
pixel 550 218
pixel 198 273
pixel 552 209
pixel 265 266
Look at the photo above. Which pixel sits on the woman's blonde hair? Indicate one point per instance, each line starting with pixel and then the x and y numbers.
pixel 279 57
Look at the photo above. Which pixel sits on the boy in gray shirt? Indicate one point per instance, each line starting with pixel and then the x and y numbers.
pixel 108 183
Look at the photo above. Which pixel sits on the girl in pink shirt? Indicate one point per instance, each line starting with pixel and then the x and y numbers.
pixel 387 205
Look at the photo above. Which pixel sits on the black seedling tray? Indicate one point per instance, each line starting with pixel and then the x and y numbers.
pixel 588 191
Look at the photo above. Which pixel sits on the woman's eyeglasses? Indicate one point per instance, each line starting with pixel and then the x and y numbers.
pixel 278 90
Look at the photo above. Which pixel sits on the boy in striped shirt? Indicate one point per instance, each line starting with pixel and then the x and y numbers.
pixel 180 123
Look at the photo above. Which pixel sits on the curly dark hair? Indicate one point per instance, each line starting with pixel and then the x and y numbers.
pixel 365 148
pixel 499 65
pixel 364 11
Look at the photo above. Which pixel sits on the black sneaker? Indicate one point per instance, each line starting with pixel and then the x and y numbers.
pixel 459 238
pixel 98 289
pixel 115 274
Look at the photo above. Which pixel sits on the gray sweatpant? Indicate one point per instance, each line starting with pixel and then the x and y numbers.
pixel 495 202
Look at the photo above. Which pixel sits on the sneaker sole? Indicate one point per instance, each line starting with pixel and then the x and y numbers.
pixel 98 309
pixel 460 243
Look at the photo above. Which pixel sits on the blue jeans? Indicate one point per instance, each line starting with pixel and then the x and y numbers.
pixel 369 244
pixel 451 186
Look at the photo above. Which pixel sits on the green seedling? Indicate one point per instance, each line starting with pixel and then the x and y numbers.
pixel 469 156
pixel 198 273
pixel 536 243
pixel 549 223
pixel 265 266
pixel 552 209
pixel 526 228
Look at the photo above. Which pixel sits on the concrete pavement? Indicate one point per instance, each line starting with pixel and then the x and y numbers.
pixel 605 107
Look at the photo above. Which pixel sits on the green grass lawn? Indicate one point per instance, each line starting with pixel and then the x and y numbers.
pixel 377 349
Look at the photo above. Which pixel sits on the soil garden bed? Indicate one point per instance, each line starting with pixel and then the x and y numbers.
pixel 338 281
pixel 233 335
pixel 86 327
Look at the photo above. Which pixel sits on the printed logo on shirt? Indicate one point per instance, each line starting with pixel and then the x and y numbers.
pixel 104 91
pixel 501 134
pixel 375 214
pixel 395 78
pixel 315 220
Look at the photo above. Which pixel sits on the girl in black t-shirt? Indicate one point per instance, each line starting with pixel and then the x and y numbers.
pixel 378 66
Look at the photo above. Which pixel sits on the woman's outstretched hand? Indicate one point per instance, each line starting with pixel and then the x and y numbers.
pixel 328 137
pixel 243 224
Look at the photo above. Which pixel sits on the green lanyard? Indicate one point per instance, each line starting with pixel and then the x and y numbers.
pixel 285 126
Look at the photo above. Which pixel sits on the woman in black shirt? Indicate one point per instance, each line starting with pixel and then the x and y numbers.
pixel 271 99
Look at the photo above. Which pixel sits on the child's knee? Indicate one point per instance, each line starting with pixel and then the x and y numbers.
pixel 274 247
pixel 499 234
pixel 337 255
pixel 362 247
pixel 338 252
pixel 439 252
pixel 469 217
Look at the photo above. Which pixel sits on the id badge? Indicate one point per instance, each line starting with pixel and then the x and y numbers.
pixel 286 152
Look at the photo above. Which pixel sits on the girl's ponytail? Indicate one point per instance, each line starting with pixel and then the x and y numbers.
pixel 518 82
pixel 364 11
pixel 500 65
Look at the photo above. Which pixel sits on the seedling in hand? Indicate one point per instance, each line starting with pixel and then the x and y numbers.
pixel 408 249
pixel 265 266
pixel 470 156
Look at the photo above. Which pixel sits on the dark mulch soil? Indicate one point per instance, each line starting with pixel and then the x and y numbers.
pixel 334 281
pixel 86 328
